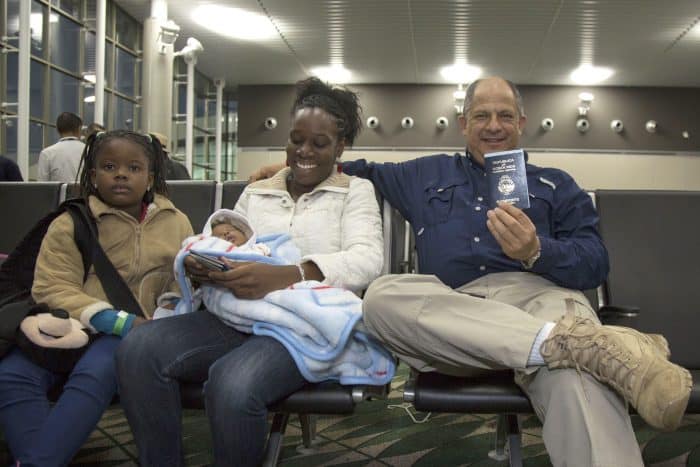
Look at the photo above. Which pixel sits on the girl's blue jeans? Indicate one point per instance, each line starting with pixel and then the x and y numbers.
pixel 40 433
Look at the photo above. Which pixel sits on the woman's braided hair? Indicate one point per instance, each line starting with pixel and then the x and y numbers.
pixel 339 102
pixel 151 148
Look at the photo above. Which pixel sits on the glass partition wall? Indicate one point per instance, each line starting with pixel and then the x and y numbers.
pixel 204 147
pixel 62 76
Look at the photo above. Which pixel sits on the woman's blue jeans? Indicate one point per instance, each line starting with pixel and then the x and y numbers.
pixel 39 434
pixel 243 373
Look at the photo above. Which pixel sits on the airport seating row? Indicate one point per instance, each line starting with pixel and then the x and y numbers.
pixel 22 204
pixel 653 242
pixel 654 246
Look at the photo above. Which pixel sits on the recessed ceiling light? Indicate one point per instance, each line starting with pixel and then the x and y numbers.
pixel 460 73
pixel 234 22
pixel 586 96
pixel 695 29
pixel 333 74
pixel 589 74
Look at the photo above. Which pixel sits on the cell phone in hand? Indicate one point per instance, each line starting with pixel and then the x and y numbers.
pixel 209 262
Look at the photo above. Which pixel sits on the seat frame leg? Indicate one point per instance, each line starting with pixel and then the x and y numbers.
pixel 274 441
pixel 499 452
pixel 514 440
pixel 308 428
pixel 508 444
pixel 308 433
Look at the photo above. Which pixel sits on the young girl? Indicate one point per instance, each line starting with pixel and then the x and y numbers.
pixel 140 230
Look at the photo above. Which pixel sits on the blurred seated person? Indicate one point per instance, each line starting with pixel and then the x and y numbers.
pixel 91 129
pixel 9 171
pixel 174 169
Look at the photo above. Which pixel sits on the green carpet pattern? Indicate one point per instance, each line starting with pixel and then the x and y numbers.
pixel 383 433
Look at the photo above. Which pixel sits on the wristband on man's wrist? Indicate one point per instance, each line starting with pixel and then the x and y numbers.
pixel 301 272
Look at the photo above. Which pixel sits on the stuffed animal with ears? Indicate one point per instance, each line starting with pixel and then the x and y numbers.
pixel 52 339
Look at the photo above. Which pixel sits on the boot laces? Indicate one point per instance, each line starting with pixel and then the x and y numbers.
pixel 601 357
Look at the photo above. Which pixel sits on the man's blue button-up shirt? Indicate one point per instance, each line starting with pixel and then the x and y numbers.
pixel 445 199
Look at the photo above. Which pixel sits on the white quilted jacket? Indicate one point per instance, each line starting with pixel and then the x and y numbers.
pixel 337 225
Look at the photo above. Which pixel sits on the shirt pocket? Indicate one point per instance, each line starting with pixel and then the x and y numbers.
pixel 437 204
pixel 540 210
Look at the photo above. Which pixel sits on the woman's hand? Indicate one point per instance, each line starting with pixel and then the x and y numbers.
pixel 250 280
pixel 196 271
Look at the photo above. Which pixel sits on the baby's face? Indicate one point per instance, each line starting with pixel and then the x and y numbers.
pixel 230 234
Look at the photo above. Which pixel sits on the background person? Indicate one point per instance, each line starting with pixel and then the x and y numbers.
pixel 91 129
pixel 60 161
pixel 176 170
pixel 9 170
pixel 334 221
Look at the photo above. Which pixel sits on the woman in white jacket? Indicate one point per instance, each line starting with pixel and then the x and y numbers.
pixel 333 219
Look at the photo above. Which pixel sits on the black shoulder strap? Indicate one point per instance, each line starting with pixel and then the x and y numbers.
pixel 86 238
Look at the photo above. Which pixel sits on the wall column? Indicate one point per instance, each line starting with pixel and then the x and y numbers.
pixel 157 78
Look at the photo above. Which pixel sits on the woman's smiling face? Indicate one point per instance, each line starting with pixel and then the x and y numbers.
pixel 312 148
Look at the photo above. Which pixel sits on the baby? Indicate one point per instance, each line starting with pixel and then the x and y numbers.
pixel 223 228
pixel 315 322
pixel 231 227
pixel 224 232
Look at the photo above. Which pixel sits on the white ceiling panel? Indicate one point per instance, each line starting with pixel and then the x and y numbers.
pixel 647 43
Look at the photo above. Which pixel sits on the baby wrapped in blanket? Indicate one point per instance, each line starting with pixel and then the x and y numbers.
pixel 319 325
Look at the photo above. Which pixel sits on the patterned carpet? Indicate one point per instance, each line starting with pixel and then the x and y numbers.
pixel 382 433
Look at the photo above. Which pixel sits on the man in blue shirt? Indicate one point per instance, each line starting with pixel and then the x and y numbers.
pixel 501 288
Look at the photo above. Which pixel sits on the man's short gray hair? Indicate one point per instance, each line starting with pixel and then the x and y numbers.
pixel 471 89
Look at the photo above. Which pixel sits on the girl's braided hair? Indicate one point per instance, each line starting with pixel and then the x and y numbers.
pixel 151 148
pixel 339 102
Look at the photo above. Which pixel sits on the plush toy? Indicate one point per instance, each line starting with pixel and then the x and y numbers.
pixel 52 339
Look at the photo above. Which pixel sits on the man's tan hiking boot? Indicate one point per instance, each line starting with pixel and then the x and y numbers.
pixel 632 363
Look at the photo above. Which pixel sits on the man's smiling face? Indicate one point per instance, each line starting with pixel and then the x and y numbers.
pixel 493 122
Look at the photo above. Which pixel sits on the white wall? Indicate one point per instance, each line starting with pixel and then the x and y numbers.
pixel 591 170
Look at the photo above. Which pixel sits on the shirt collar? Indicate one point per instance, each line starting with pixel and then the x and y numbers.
pixel 68 138
pixel 473 164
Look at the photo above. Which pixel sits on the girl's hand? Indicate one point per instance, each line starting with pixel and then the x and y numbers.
pixel 250 280
pixel 138 321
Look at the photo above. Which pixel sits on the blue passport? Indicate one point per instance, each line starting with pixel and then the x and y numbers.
pixel 506 178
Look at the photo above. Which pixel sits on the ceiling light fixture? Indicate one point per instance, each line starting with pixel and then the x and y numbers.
pixel 459 95
pixel 168 35
pixel 234 22
pixel 189 52
pixel 588 74
pixel 336 74
pixel 460 73
pixel 584 106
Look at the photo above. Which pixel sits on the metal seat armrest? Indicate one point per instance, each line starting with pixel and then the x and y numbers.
pixel 619 314
pixel 409 388
pixel 365 393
